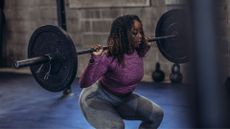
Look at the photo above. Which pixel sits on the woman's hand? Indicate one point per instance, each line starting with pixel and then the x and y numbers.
pixel 98 50
pixel 147 41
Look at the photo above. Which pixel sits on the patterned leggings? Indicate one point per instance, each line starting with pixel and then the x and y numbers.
pixel 103 110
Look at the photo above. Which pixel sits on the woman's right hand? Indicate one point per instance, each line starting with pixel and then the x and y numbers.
pixel 98 50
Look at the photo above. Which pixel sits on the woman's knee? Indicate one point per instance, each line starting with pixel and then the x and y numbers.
pixel 153 121
pixel 157 116
pixel 160 114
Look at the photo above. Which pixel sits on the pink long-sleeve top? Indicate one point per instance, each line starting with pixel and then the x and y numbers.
pixel 118 78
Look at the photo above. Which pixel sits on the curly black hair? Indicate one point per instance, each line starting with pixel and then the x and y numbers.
pixel 119 41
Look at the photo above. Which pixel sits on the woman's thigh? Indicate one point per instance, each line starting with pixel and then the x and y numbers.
pixel 137 107
pixel 97 111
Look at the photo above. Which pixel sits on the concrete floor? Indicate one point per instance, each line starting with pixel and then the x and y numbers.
pixel 25 105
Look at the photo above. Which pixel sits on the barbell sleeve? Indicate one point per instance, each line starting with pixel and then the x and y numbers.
pixel 160 38
pixel 32 61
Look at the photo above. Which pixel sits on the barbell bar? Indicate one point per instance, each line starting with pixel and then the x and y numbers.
pixel 52 56
pixel 48 57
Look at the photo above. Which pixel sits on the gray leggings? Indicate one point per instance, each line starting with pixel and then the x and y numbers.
pixel 103 110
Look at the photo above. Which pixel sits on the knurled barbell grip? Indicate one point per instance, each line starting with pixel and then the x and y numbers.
pixel 32 61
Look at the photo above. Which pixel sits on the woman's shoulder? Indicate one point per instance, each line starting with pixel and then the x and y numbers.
pixel 106 57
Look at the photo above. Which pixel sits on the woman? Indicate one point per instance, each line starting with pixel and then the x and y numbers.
pixel 111 77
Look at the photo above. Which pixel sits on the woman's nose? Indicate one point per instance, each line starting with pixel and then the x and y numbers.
pixel 139 35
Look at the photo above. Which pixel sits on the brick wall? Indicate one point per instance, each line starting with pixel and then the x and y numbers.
pixel 87 26
pixel 22 18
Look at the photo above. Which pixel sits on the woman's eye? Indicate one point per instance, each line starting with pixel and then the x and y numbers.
pixel 134 33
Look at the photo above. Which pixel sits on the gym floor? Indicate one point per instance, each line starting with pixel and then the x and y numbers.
pixel 25 105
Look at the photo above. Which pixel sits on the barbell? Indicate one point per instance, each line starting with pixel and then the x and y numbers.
pixel 52 56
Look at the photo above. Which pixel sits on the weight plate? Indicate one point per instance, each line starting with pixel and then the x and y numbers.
pixel 175 49
pixel 59 73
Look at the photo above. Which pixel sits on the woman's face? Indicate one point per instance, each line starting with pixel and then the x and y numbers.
pixel 136 33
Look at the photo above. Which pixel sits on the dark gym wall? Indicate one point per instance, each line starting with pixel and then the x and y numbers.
pixel 22 17
pixel 87 25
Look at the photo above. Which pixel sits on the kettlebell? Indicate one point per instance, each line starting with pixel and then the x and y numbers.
pixel 176 76
pixel 158 75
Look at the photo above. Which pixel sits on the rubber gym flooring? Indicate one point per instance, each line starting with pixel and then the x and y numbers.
pixel 25 105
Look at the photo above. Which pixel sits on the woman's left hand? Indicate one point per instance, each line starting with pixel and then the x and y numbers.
pixel 98 50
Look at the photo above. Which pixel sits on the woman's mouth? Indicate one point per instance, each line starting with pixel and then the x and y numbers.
pixel 138 43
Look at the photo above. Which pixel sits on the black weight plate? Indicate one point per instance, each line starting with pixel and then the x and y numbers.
pixel 58 74
pixel 173 22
